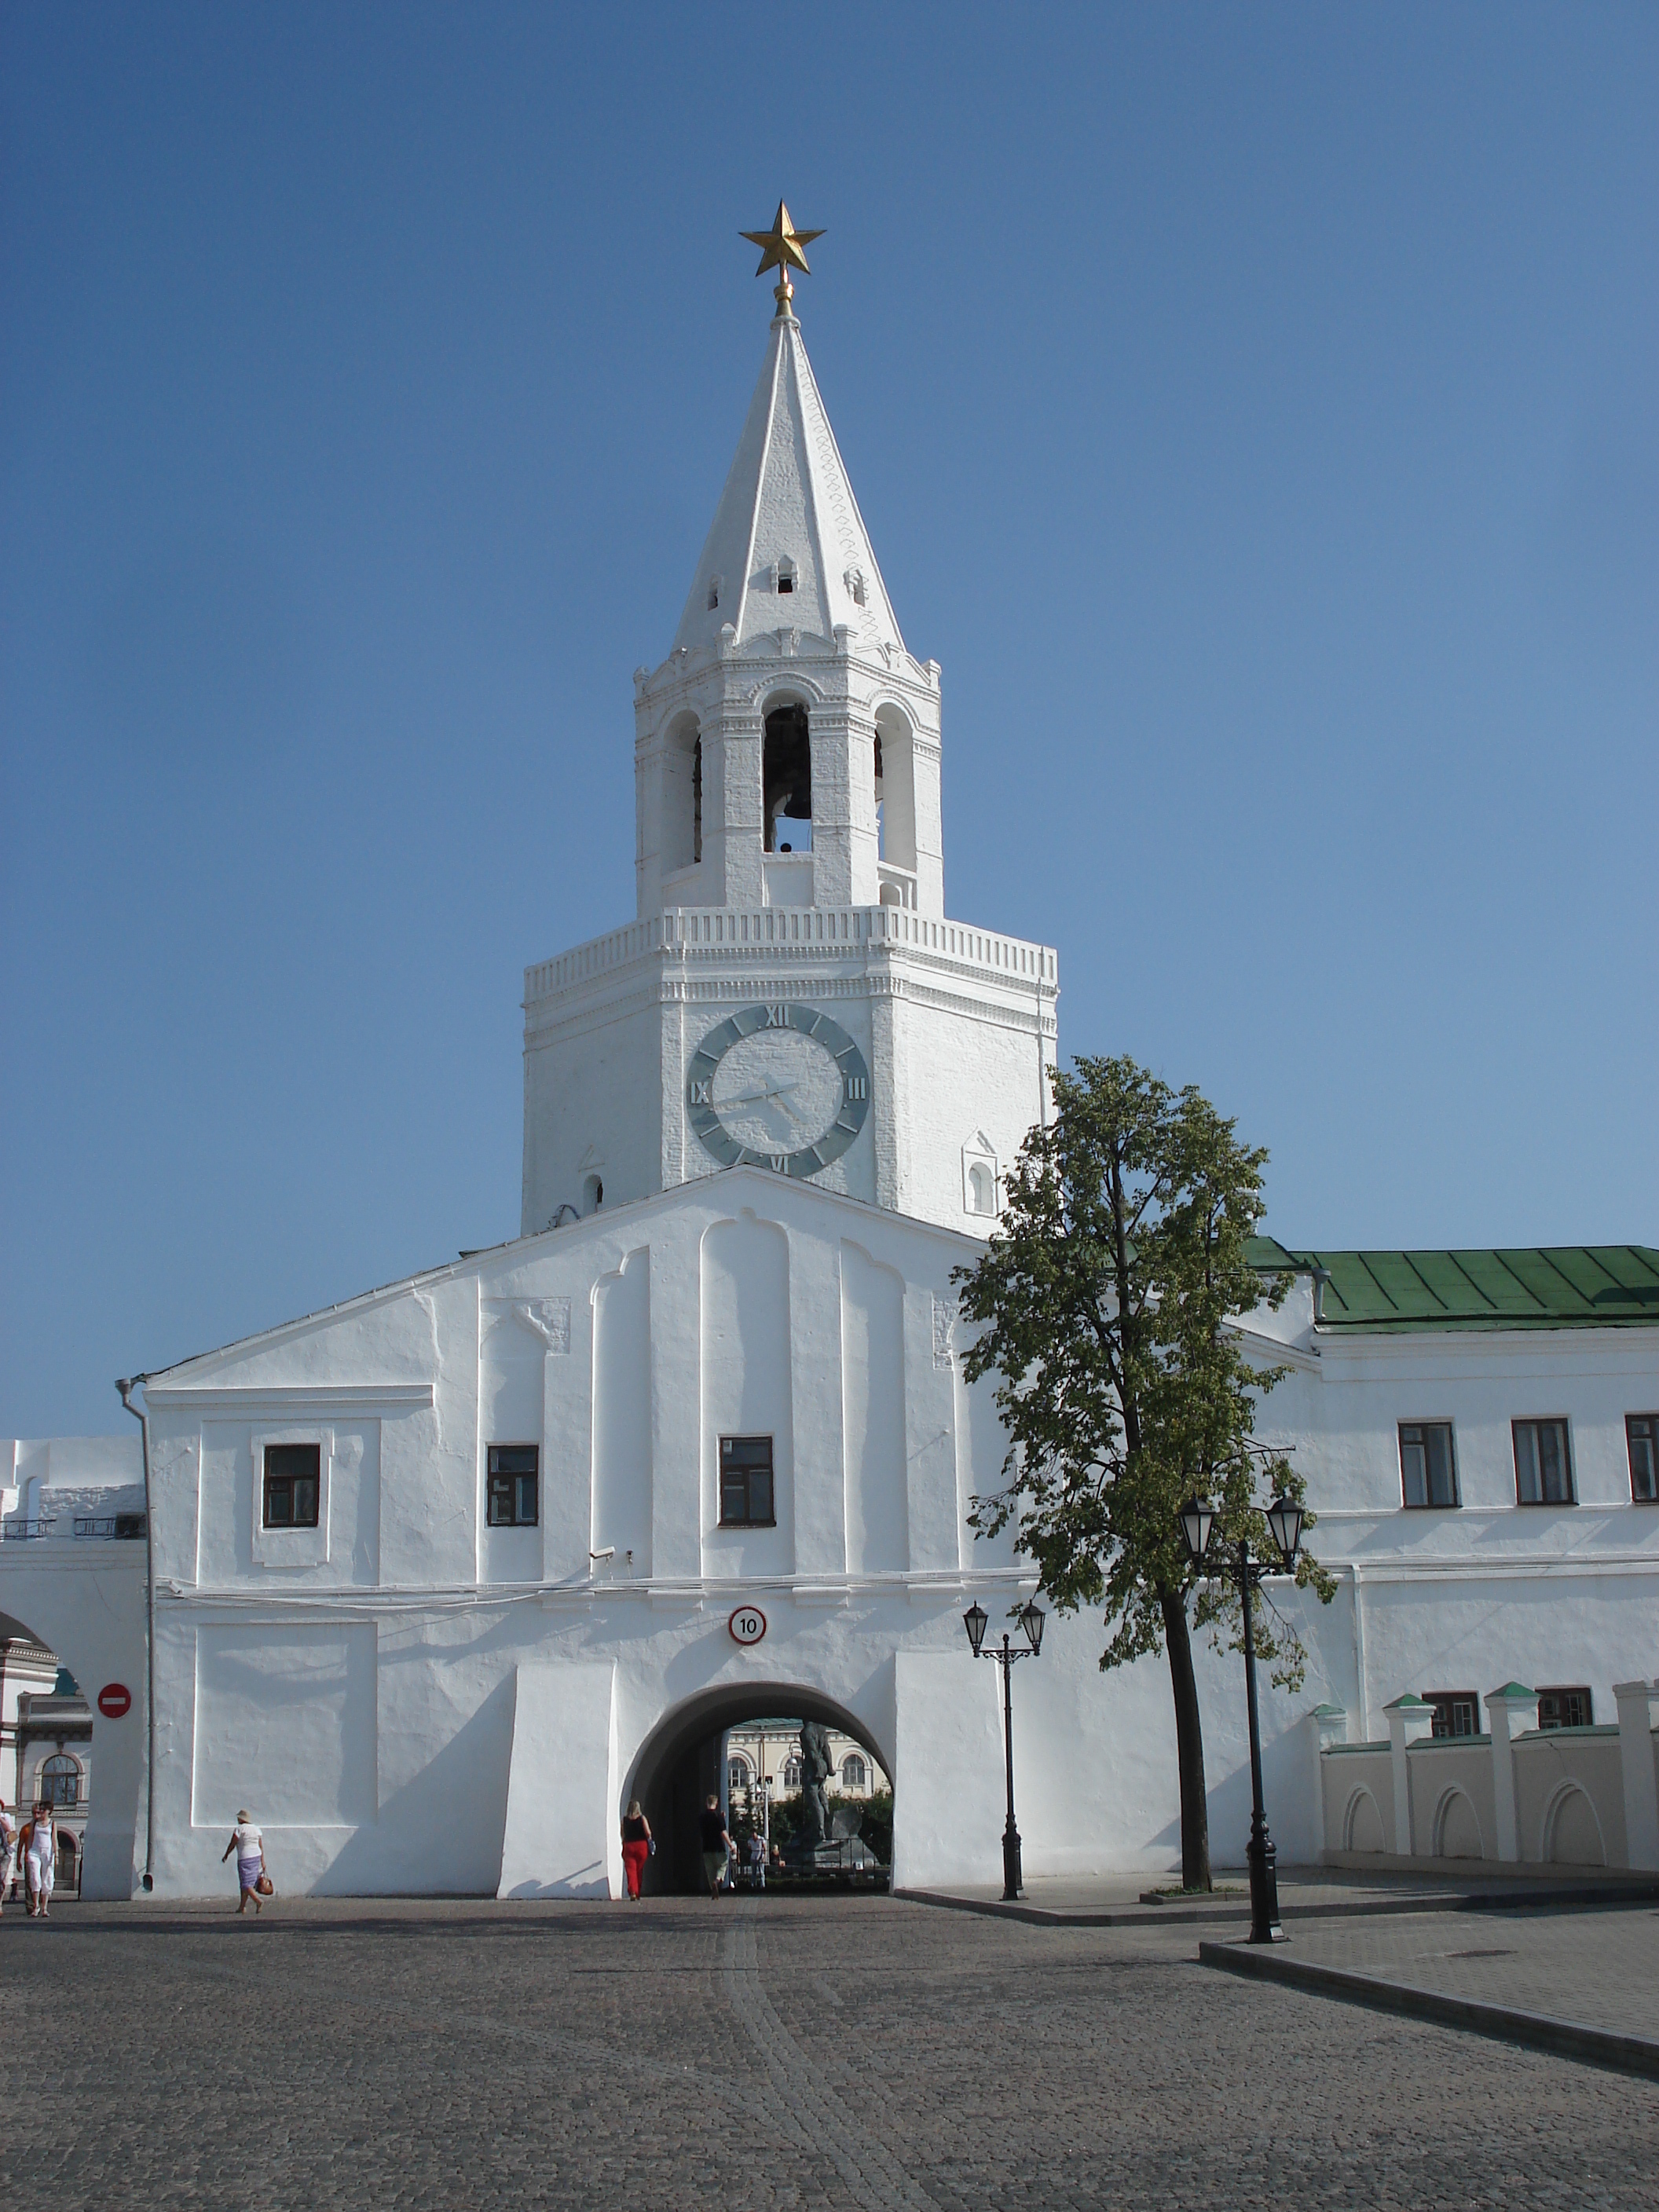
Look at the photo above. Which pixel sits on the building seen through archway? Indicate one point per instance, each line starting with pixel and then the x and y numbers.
pixel 744 1747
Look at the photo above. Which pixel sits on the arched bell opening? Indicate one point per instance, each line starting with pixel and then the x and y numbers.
pixel 896 790
pixel 678 1767
pixel 682 774
pixel 786 779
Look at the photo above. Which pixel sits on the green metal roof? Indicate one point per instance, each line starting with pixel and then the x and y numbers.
pixel 1554 1286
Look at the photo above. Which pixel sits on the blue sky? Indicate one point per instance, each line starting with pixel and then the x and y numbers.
pixel 1254 410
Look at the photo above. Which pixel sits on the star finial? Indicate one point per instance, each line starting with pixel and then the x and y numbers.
pixel 781 249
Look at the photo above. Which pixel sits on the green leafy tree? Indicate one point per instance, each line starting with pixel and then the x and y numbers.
pixel 1105 1304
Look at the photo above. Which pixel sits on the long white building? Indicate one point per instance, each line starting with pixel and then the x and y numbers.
pixel 442 1577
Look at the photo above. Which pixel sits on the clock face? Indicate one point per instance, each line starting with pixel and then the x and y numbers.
pixel 778 1086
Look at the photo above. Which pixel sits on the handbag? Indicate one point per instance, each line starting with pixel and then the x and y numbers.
pixel 266 1886
pixel 651 1847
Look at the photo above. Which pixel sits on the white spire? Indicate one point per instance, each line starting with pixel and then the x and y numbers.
pixel 788 511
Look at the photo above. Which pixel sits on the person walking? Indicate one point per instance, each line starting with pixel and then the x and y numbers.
pixel 756 1861
pixel 40 1860
pixel 249 1846
pixel 716 1844
pixel 7 1853
pixel 636 1845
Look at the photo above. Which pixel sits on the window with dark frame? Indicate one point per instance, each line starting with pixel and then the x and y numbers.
pixel 1428 1465
pixel 59 1781
pixel 511 1484
pixel 1456 1712
pixel 1560 1709
pixel 1543 1466
pixel 746 1483
pixel 1641 1442
pixel 293 1485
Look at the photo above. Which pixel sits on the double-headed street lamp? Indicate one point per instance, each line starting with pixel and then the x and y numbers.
pixel 1284 1518
pixel 1031 1618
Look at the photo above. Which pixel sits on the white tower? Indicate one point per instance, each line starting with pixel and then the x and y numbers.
pixel 791 991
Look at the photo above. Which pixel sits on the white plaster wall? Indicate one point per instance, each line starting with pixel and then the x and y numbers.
pixel 285 1725
pixel 593 1101
pixel 344 1548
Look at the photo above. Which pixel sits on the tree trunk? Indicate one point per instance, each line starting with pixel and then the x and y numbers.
pixel 1189 1744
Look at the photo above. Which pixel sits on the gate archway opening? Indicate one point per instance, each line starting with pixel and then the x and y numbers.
pixel 679 1766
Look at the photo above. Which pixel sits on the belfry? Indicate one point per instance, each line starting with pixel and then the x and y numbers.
pixel 791 993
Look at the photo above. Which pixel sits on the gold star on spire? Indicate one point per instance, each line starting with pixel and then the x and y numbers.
pixel 781 249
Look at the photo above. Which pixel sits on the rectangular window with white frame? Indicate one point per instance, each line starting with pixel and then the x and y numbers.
pixel 293 1476
pixel 513 1480
pixel 1543 1464
pixel 1642 1442
pixel 1428 1464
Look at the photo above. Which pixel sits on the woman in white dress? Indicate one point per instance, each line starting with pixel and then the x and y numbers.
pixel 41 1861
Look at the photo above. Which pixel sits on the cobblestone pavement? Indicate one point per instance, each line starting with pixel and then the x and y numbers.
pixel 1600 1967
pixel 778 2052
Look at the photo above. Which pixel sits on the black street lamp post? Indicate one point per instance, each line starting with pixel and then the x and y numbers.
pixel 975 1620
pixel 1284 1518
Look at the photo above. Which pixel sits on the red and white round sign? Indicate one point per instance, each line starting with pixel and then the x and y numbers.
pixel 747 1624
pixel 114 1699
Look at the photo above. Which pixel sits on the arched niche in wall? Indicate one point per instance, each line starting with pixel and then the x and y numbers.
pixel 896 787
pixel 681 794
pixel 746 1389
pixel 873 1414
pixel 622 1417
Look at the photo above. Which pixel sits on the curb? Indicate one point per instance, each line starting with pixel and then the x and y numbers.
pixel 1568 2039
pixel 1533 1898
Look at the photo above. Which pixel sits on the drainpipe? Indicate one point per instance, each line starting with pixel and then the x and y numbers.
pixel 1320 1276
pixel 126 1388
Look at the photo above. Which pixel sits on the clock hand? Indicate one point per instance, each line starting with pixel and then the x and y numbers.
pixel 753 1097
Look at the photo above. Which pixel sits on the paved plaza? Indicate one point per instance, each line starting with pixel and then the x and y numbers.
pixel 774 2052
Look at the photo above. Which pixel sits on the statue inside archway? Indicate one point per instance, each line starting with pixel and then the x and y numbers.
pixel 816 1767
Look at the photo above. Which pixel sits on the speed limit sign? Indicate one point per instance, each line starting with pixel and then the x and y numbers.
pixel 747 1624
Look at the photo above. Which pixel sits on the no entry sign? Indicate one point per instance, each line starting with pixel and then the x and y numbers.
pixel 114 1699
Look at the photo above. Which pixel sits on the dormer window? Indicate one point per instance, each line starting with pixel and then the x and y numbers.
pixel 855 586
pixel 786 575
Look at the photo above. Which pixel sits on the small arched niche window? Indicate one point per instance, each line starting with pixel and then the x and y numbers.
pixel 855 587
pixel 592 1194
pixel 979 1176
pixel 786 575
pixel 714 583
